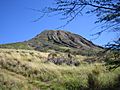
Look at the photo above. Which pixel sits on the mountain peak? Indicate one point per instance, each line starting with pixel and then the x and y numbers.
pixel 64 38
pixel 58 40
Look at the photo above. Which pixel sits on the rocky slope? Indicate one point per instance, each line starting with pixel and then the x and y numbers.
pixel 57 40
pixel 63 38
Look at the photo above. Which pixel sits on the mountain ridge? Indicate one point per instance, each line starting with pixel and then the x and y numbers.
pixel 54 40
pixel 64 38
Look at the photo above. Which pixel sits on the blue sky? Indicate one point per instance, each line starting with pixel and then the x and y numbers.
pixel 16 22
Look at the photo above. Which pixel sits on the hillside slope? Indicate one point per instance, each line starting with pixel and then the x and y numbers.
pixel 28 70
pixel 57 40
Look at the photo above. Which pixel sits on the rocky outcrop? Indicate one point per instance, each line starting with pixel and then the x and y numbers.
pixel 64 38
pixel 57 40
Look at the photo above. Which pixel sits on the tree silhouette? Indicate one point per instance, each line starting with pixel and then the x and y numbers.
pixel 107 11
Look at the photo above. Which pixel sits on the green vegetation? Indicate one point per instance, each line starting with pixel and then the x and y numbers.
pixel 27 70
pixel 16 46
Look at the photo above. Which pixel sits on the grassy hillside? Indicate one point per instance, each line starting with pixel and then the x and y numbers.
pixel 50 47
pixel 57 40
pixel 19 45
pixel 28 70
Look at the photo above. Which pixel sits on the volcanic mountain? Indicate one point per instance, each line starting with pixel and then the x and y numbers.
pixel 57 40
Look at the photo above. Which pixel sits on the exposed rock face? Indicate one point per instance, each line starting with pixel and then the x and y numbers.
pixel 56 40
pixel 59 37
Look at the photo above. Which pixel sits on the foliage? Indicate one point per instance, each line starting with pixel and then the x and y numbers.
pixel 112 54
pixel 16 46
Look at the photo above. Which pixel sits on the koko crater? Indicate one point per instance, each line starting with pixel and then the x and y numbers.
pixel 57 60
pixel 55 40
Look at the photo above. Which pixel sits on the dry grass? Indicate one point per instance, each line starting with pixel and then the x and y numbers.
pixel 27 71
